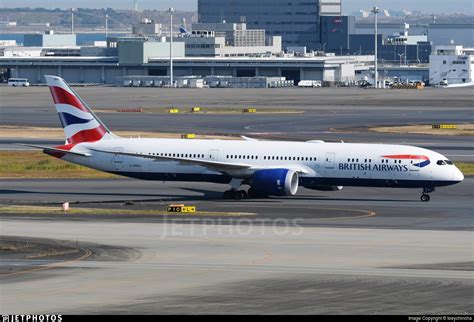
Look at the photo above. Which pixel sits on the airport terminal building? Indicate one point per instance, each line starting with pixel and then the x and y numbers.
pixel 105 70
pixel 297 22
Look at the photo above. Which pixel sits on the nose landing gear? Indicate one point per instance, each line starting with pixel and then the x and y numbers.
pixel 425 197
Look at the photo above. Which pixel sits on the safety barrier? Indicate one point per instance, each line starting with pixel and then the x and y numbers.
pixel 131 110
pixel 408 86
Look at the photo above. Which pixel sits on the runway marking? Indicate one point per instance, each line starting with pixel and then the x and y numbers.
pixel 366 212
pixel 87 254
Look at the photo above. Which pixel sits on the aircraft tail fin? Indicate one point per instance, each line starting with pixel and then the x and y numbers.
pixel 79 122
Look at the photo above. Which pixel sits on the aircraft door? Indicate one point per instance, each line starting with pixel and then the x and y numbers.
pixel 213 155
pixel 118 159
pixel 329 160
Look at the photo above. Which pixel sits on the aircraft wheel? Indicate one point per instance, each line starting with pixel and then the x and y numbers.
pixel 251 193
pixel 239 195
pixel 425 198
pixel 229 194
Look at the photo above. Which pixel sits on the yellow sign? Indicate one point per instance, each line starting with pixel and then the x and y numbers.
pixel 188 136
pixel 250 110
pixel 173 110
pixel 181 209
pixel 445 126
pixel 196 109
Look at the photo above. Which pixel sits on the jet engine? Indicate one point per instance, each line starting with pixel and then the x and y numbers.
pixel 275 182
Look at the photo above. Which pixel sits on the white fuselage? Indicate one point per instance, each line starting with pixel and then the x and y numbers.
pixel 319 163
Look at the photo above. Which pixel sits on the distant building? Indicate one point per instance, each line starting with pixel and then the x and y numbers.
pixel 338 36
pixel 49 39
pixel 147 27
pixel 336 32
pixel 229 40
pixel 8 23
pixel 140 52
pixel 7 43
pixel 452 65
pixel 298 23
pixel 438 33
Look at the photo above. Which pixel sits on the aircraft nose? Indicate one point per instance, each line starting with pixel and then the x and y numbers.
pixel 458 175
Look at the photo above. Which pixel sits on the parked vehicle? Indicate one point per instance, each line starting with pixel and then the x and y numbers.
pixel 310 83
pixel 18 82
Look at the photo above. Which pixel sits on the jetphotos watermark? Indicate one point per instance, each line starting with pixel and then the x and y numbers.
pixel 232 227
pixel 31 318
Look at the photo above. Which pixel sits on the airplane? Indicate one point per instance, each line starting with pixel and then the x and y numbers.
pixel 269 168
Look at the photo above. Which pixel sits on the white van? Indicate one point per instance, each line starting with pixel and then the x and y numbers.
pixel 310 83
pixel 18 82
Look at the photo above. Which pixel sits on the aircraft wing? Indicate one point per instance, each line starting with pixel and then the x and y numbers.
pixel 214 165
pixel 223 167
pixel 47 148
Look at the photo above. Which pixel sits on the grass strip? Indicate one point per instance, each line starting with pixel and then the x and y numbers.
pixel 49 210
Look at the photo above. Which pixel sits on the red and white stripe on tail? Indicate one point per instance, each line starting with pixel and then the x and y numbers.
pixel 79 122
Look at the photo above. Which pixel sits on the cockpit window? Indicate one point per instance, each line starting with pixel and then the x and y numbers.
pixel 449 162
pixel 441 162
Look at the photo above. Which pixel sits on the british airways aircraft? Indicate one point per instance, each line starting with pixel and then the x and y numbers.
pixel 270 168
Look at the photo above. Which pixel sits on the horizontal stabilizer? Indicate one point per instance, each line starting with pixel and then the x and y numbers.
pixel 47 148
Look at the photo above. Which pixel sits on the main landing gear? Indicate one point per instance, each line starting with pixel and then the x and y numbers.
pixel 425 197
pixel 242 194
pixel 235 194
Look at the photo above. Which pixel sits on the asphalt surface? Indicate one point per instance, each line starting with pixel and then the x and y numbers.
pixel 450 208
pixel 330 114
pixel 191 269
pixel 355 251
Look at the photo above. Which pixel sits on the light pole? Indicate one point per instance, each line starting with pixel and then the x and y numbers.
pixel 106 26
pixel 72 20
pixel 375 11
pixel 171 11
pixel 401 55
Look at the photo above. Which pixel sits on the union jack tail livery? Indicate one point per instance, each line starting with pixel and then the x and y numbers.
pixel 79 122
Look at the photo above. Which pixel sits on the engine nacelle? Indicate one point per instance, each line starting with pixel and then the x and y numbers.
pixel 325 188
pixel 275 182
